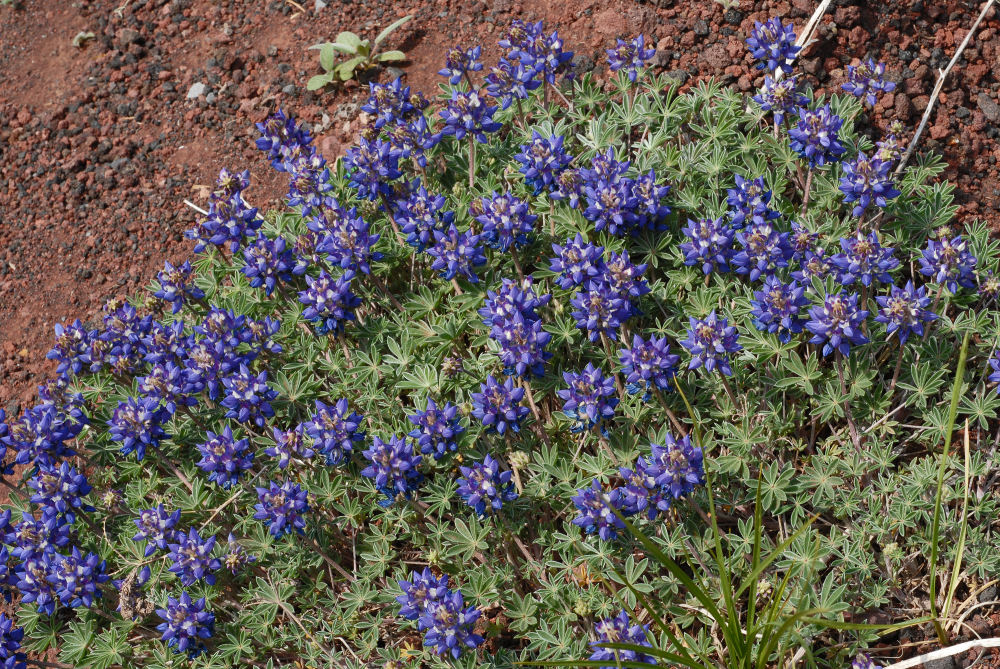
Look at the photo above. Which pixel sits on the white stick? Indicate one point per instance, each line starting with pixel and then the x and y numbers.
pixel 810 28
pixel 945 652
pixel 943 74
pixel 196 207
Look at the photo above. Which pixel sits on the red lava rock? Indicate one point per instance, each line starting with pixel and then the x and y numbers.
pixel 103 140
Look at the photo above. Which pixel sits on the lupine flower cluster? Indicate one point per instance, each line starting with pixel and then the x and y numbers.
pixel 206 362
pixel 671 471
pixel 620 629
pixel 484 487
pixel 440 613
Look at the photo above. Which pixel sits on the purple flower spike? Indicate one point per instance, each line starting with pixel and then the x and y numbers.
pixel 590 398
pixel 710 342
pixel 773 44
pixel 904 311
pixel 837 323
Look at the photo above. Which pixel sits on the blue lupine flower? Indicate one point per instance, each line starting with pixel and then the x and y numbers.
pixel 949 262
pixel 576 262
pixel 509 81
pixel 710 342
pixel 866 80
pixel 137 422
pixel 599 309
pixel 773 44
pixel 904 311
pixel 620 630
pixel 866 180
pixel 864 661
pixel 779 308
pixel 678 466
pixel 648 363
pixel 507 222
pixel 498 405
pixel 595 514
pixel 625 277
pixel 611 204
pixel 891 148
pixel 780 97
pixel 282 508
pixel 864 259
pixel 995 364
pixel 267 261
pixel 33 576
pixel 191 558
pixel 309 181
pixel 437 429
pixel 640 493
pixel 460 62
pixel 282 139
pixel 542 161
pixel 456 254
pixel 710 244
pixel 522 345
pixel 334 429
pixel 36 537
pixel 762 251
pixel 393 467
pixel 171 385
pixel 185 623
pixel 329 302
pixel 748 202
pixel 483 486
pixel 72 347
pixel 156 528
pixel 224 458
pixel 304 250
pixel 510 300
pixel 412 139
pixel 590 398
pixel 468 113
pixel 649 194
pixel 248 397
pixel 422 589
pixel 177 286
pixel 349 243
pixel 837 323
pixel 230 219
pixel 630 56
pixel 816 137
pixel 544 54
pixel 40 434
pixel 802 240
pixel 290 444
pixel 419 214
pixel 569 187
pixel 60 489
pixel 388 102
pixel 236 556
pixel 814 263
pixel 448 625
pixel 989 289
pixel 372 165
pixel 11 656
pixel 76 578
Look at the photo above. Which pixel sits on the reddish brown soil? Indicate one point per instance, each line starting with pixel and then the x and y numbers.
pixel 99 145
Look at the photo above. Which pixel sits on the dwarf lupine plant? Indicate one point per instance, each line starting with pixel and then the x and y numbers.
pixel 489 379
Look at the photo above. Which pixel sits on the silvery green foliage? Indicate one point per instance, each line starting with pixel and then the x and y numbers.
pixel 328 596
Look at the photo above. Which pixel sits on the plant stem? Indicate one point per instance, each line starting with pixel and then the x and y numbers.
pixel 805 196
pixel 392 219
pixel 895 372
pixel 385 291
pixel 729 390
pixel 517 265
pixel 472 162
pixel 847 405
pixel 670 414
pixel 534 410
pixel 611 362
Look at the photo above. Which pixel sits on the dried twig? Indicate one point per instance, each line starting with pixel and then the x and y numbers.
pixel 942 75
pixel 941 653
pixel 196 207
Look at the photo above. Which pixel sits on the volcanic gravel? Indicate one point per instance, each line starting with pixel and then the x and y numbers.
pixel 100 145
